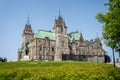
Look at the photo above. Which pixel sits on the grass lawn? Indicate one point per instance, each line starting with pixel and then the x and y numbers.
pixel 65 70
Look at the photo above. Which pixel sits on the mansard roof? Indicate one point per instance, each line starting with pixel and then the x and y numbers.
pixel 60 22
pixel 21 50
pixel 43 33
pixel 28 29
pixel 75 36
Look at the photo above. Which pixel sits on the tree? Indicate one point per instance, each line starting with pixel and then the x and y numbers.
pixel 111 26
pixel 3 59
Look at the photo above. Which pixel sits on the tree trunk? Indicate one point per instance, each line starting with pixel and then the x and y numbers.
pixel 113 57
pixel 119 54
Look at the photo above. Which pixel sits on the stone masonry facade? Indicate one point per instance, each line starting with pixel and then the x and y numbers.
pixel 58 45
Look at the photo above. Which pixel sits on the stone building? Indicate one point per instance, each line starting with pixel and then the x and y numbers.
pixel 58 45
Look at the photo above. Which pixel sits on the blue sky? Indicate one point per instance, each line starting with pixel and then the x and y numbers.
pixel 79 15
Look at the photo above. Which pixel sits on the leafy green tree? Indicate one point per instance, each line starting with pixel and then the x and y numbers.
pixel 111 27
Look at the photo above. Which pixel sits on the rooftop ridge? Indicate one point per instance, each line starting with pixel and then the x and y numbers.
pixel 74 32
pixel 45 30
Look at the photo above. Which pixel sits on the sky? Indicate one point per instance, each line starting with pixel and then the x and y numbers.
pixel 79 15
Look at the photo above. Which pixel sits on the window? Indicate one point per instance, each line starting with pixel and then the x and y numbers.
pixel 62 43
pixel 40 48
pixel 61 30
pixel 39 41
pixel 52 49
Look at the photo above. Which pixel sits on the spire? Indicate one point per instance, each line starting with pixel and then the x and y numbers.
pixel 59 17
pixel 28 28
pixel 28 21
pixel 59 13
pixel 81 37
pixel 59 21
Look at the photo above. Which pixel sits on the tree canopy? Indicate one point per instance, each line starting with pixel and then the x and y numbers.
pixel 111 25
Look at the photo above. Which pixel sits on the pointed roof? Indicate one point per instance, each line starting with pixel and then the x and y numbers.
pixel 59 21
pixel 28 28
pixel 81 37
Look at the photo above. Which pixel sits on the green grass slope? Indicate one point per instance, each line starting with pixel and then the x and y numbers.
pixel 58 71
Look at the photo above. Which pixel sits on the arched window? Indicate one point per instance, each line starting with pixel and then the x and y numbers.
pixel 52 49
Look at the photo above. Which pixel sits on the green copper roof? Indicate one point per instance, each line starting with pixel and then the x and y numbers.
pixel 75 36
pixel 21 50
pixel 42 34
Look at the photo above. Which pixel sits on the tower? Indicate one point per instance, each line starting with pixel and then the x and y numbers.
pixel 59 26
pixel 60 31
pixel 28 34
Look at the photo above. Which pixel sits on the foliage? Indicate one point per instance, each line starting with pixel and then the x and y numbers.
pixel 58 71
pixel 111 27
pixel 3 59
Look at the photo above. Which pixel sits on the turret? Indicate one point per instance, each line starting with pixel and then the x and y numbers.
pixel 27 33
pixel 59 26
